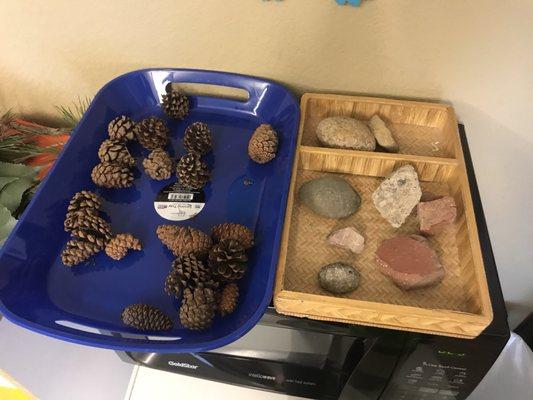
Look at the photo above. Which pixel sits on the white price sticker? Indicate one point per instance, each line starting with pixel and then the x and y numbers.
pixel 178 204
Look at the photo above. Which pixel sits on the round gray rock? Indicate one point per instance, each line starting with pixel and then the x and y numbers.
pixel 338 278
pixel 345 133
pixel 330 196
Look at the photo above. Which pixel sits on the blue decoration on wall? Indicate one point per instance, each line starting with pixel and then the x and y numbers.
pixel 355 3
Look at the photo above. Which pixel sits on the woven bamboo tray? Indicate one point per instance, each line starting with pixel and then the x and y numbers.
pixel 427 134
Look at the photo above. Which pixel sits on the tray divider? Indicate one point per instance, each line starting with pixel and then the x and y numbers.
pixel 431 169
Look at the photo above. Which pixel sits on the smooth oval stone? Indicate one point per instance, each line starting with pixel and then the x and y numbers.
pixel 330 196
pixel 345 133
pixel 338 278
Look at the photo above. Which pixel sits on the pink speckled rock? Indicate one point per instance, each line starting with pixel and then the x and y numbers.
pixel 409 262
pixel 436 214
pixel 347 238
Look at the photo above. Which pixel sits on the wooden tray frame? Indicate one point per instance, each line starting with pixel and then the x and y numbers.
pixel 451 169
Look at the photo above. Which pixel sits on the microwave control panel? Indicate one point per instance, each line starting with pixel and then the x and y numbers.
pixel 440 369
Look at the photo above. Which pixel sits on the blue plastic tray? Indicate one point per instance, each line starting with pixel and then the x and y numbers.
pixel 84 304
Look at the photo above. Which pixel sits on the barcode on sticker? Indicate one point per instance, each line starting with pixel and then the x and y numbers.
pixel 180 196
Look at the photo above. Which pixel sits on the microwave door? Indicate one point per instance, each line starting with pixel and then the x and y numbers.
pixel 371 375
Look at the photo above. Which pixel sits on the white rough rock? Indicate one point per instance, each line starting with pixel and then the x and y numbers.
pixel 397 195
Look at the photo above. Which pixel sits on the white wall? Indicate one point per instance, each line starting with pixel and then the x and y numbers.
pixel 477 55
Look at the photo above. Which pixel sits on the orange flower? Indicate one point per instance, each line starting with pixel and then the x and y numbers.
pixel 41 159
pixel 49 140
pixel 44 170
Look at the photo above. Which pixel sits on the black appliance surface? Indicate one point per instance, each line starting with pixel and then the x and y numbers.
pixel 322 360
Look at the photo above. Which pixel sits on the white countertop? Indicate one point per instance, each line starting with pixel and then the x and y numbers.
pixel 52 369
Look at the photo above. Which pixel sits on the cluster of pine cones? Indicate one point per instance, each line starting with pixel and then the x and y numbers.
pixel 191 171
pixel 116 162
pixel 91 233
pixel 206 269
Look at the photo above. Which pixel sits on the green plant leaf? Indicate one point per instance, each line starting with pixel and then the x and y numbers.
pixel 26 198
pixel 11 194
pixel 16 170
pixel 5 215
pixel 7 222
pixel 71 116
pixel 4 180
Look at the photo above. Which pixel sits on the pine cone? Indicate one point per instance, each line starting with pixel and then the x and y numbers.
pixel 88 235
pixel 84 202
pixel 188 271
pixel 227 260
pixel 197 138
pixel 76 252
pixel 145 317
pixel 152 133
pixel 192 172
pixel 88 222
pixel 198 308
pixel 184 240
pixel 112 175
pixel 238 232
pixel 229 298
pixel 263 144
pixel 121 129
pixel 175 104
pixel 118 247
pixel 115 151
pixel 167 233
pixel 81 213
pixel 158 165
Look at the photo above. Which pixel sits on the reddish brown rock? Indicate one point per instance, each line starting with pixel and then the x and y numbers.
pixel 436 214
pixel 429 196
pixel 409 262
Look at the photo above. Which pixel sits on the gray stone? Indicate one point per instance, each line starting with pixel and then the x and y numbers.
pixel 338 278
pixel 347 238
pixel 345 133
pixel 383 134
pixel 397 195
pixel 330 196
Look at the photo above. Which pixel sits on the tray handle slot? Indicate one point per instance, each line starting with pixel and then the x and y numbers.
pixel 91 330
pixel 212 90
